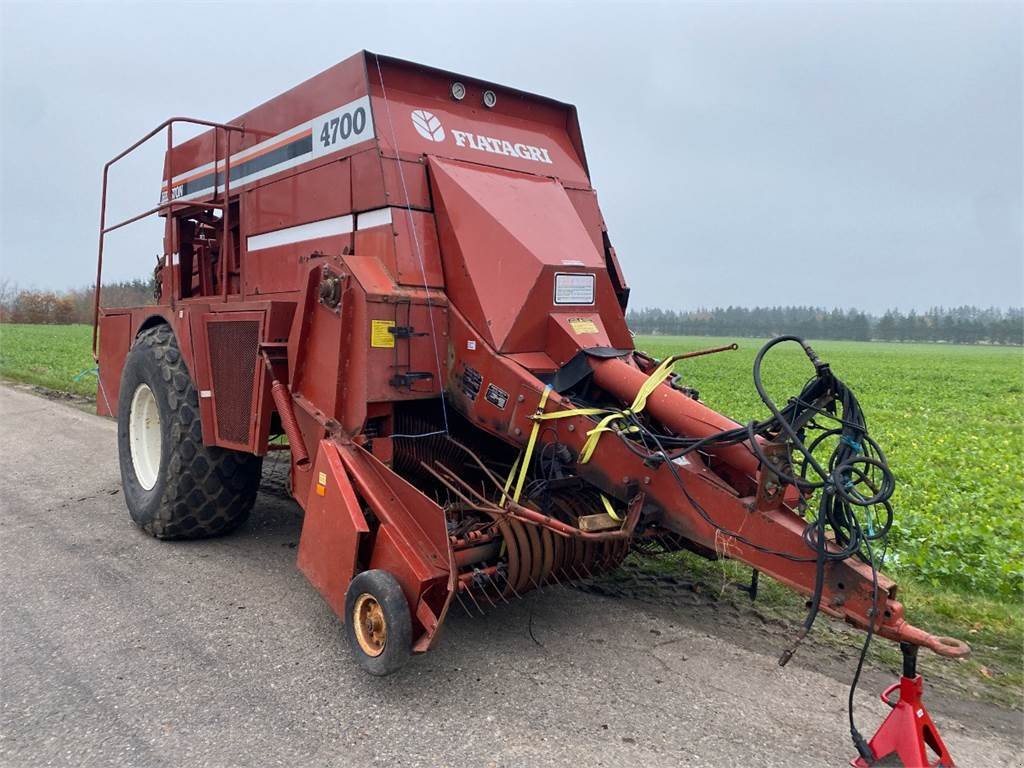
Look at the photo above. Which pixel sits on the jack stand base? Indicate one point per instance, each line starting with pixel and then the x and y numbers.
pixel 908 731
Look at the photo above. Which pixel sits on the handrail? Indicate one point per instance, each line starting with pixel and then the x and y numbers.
pixel 169 204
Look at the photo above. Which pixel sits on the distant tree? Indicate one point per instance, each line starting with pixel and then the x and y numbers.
pixel 8 292
pixel 963 325
pixel 74 306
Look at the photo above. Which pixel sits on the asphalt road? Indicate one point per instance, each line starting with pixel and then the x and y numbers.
pixel 118 649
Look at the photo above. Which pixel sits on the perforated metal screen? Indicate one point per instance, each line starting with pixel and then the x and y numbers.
pixel 234 346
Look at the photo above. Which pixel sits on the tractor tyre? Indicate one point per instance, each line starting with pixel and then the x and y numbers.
pixel 175 487
pixel 377 622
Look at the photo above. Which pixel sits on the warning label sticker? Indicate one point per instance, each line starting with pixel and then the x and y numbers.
pixel 582 325
pixel 574 287
pixel 380 333
pixel 471 381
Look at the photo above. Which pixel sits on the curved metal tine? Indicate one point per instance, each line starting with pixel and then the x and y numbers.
pixel 469 594
pixel 551 575
pixel 586 570
pixel 453 477
pixel 487 507
pixel 484 593
pixel 509 583
pixel 493 478
pixel 449 486
pixel 490 579
pixel 462 604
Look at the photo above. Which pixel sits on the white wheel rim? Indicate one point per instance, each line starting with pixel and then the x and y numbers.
pixel 144 436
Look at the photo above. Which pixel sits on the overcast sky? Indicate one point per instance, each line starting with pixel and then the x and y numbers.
pixel 837 154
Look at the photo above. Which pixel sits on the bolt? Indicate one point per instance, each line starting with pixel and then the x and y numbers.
pixel 518 431
pixel 572 427
pixel 520 399
pixel 625 479
pixel 647 481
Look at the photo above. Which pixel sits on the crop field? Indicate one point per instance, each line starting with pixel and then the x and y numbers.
pixel 949 419
pixel 50 356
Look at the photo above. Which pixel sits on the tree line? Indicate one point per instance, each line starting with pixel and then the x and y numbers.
pixel 957 325
pixel 67 307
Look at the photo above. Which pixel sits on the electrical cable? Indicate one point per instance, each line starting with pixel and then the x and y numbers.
pixel 856 462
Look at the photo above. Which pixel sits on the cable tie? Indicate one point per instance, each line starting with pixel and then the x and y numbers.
pixel 852 443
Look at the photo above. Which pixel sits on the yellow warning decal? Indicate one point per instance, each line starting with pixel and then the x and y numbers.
pixel 582 325
pixel 380 335
pixel 322 479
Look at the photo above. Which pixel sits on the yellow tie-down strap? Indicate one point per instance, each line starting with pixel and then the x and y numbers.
pixel 608 422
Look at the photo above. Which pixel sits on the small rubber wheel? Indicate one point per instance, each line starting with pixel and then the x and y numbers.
pixel 377 622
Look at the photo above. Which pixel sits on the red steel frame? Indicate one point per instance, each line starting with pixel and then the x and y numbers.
pixel 169 205
pixel 452 242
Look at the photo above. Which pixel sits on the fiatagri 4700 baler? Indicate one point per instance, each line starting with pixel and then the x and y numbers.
pixel 405 273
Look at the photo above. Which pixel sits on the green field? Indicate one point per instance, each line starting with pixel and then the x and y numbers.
pixel 948 417
pixel 50 356
pixel 950 421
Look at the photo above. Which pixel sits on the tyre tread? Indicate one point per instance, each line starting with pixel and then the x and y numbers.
pixel 209 491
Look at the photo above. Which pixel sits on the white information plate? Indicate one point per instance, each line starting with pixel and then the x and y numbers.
pixel 574 288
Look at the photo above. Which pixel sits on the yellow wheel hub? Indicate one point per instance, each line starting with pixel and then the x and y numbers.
pixel 370 626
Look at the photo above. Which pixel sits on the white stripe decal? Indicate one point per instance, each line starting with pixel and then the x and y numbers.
pixel 337 130
pixel 251 177
pixel 245 154
pixel 375 218
pixel 340 225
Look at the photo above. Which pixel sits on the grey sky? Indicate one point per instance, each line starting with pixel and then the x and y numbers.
pixel 846 154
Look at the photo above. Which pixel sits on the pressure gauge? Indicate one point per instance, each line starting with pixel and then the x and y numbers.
pixel 458 91
pixel 490 99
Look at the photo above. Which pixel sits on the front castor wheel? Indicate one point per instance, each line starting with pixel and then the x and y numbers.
pixel 377 622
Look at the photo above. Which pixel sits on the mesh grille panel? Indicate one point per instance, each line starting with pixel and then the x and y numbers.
pixel 234 346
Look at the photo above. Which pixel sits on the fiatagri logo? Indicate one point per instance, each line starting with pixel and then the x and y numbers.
pixel 429 127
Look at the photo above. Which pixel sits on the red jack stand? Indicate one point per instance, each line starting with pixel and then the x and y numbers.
pixel 908 731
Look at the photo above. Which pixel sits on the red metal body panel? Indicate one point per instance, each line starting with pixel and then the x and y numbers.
pixel 115 340
pixel 471 132
pixel 412 540
pixel 342 83
pixel 505 236
pixel 411 261
pixel 333 529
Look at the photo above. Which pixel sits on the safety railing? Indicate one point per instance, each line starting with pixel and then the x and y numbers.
pixel 170 204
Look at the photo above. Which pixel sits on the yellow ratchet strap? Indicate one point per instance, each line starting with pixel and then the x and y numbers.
pixel 508 482
pixel 528 453
pixel 610 509
pixel 606 424
pixel 658 376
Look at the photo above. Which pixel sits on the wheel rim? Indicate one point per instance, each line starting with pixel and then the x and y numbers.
pixel 144 436
pixel 371 628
